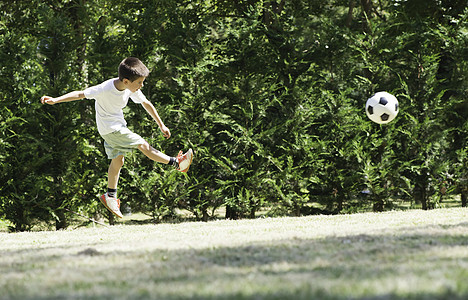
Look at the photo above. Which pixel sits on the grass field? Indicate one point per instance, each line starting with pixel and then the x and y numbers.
pixel 395 255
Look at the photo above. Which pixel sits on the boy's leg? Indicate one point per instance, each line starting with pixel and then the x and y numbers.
pixel 154 154
pixel 181 162
pixel 114 171
pixel 109 199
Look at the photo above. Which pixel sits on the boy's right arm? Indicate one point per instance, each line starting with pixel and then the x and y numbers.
pixel 72 96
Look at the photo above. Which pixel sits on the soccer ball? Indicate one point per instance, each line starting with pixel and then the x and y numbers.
pixel 382 107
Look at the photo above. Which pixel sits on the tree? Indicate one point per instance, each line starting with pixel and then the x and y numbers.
pixel 269 94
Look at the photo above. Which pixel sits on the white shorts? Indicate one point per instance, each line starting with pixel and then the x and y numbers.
pixel 120 142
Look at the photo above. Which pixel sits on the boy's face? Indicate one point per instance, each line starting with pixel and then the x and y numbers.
pixel 135 85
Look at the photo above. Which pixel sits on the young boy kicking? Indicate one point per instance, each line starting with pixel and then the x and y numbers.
pixel 111 97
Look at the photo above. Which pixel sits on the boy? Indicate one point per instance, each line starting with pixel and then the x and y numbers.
pixel 111 97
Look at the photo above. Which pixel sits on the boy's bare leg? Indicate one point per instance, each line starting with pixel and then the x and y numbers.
pixel 109 199
pixel 154 154
pixel 114 171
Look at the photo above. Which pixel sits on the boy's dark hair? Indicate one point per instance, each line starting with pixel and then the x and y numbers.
pixel 132 68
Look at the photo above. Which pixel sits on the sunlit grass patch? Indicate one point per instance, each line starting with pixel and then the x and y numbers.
pixel 394 255
pixel 4 225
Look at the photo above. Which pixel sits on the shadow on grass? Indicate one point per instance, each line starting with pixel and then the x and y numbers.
pixel 420 263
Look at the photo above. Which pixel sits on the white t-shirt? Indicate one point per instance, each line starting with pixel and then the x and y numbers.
pixel 109 104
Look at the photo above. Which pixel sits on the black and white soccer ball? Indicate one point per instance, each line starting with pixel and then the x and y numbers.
pixel 382 107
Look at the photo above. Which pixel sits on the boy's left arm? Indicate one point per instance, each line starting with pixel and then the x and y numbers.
pixel 149 107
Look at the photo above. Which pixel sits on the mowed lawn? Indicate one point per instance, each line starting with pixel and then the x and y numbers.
pixel 395 255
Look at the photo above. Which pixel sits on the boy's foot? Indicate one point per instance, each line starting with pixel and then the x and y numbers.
pixel 184 160
pixel 112 204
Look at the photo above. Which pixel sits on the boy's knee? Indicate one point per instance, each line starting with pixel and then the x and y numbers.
pixel 145 147
pixel 119 161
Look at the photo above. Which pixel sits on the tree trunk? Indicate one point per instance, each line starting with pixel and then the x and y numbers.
pixel 367 8
pixel 349 18
pixel 232 213
pixel 420 195
pixel 378 205
pixel 111 218
pixel 61 221
pixel 253 210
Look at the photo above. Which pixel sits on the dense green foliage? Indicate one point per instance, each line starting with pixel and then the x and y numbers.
pixel 269 93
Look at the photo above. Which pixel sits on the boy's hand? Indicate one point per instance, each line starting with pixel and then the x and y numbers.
pixel 165 131
pixel 47 100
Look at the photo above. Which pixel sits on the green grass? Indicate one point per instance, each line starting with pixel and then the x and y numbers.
pixel 4 225
pixel 394 255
